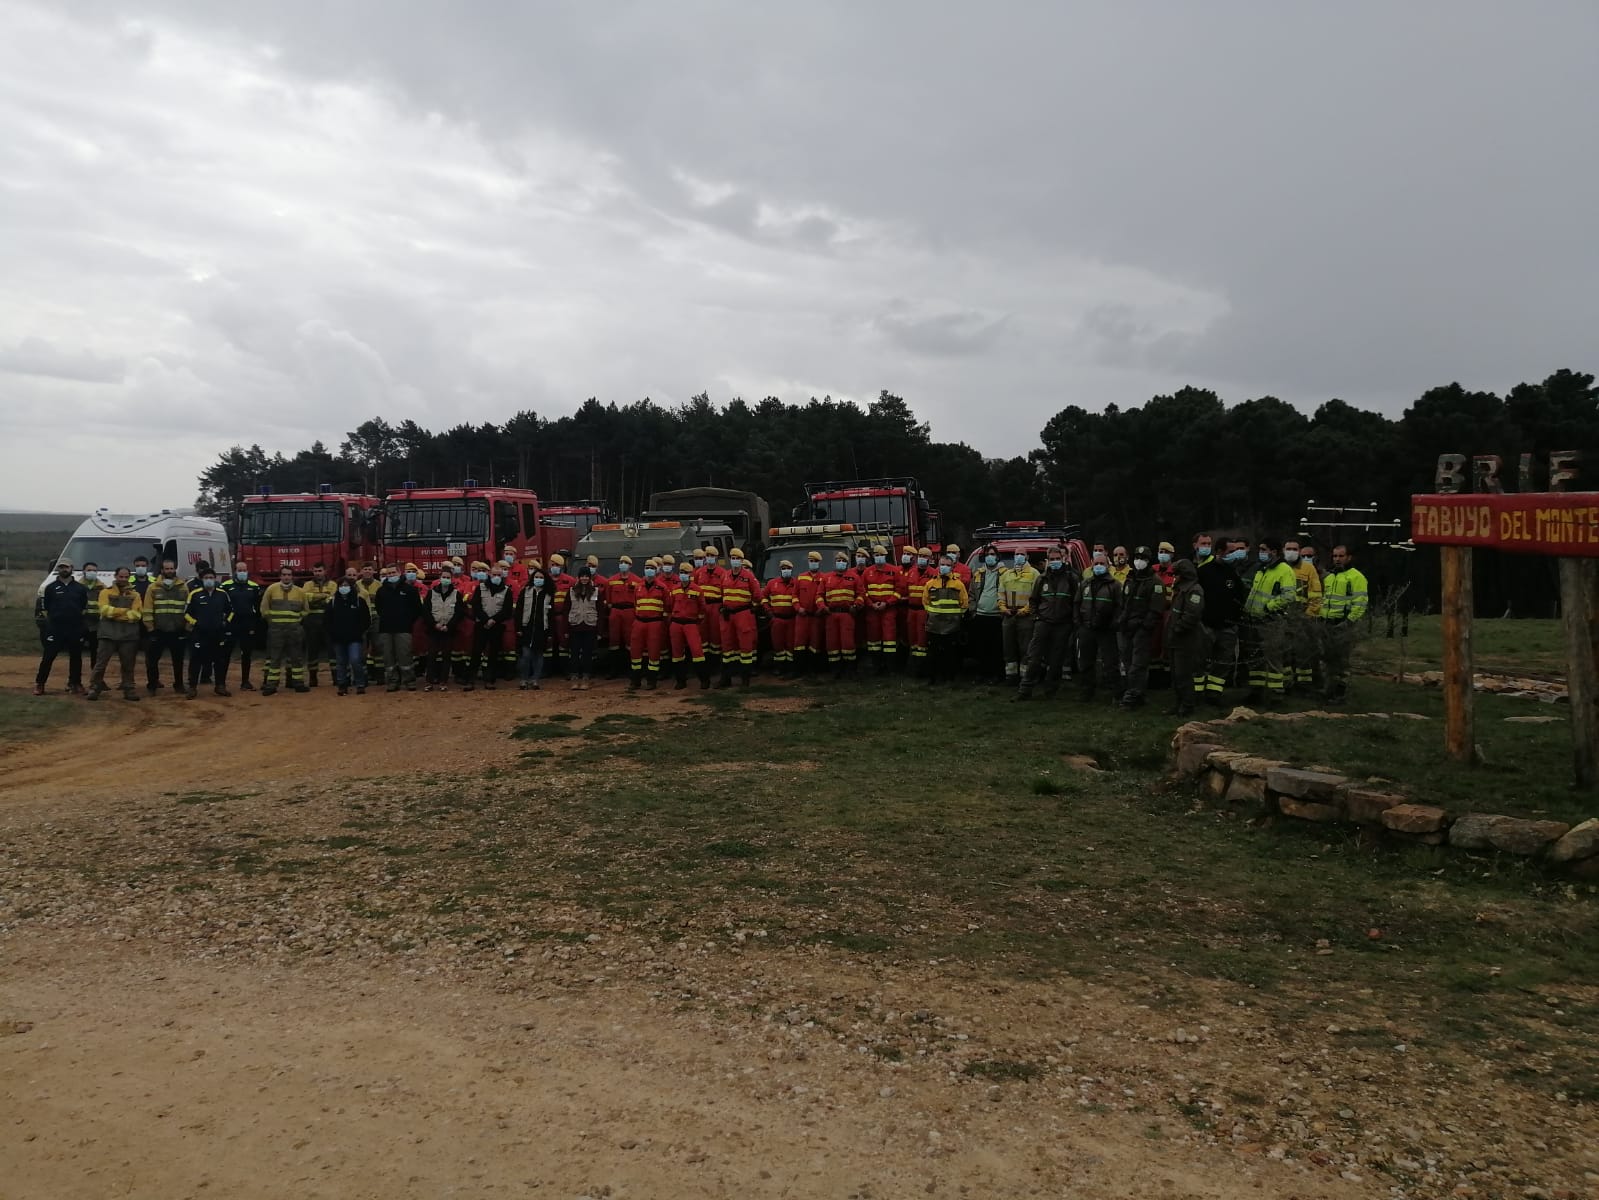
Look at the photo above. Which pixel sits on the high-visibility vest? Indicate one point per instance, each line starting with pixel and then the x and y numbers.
pixel 945 597
pixel 283 605
pixel 1344 595
pixel 165 603
pixel 317 595
pixel 1272 590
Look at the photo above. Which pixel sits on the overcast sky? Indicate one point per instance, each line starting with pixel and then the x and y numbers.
pixel 266 222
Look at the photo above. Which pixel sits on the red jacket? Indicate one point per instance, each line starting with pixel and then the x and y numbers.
pixel 781 596
pixel 621 591
pixel 808 592
pixel 685 602
pixel 740 591
pixel 842 591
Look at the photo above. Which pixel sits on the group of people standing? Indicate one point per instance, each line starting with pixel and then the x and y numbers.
pixel 1266 614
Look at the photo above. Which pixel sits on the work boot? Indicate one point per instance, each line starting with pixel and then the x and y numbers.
pixel 75 689
pixel 705 678
pixel 361 691
pixel 395 686
pixel 468 686
pixel 130 694
pixel 93 693
pixel 300 687
pixel 650 680
pixel 344 690
pixel 682 679
pixel 744 680
pixel 192 693
pixel 633 682
pixel 220 690
pixel 726 681
pixel 38 689
pixel 247 686
pixel 152 688
pixel 267 689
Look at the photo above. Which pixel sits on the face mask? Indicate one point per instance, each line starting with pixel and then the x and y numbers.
pixel 1120 560
pixel 208 583
pixel 649 572
pixel 860 560
pixel 344 589
pixel 286 583
pixel 623 568
pixel 1164 556
pixel 944 568
pixel 904 560
pixel 1140 564
pixel 1055 564
pixel 410 577
pixel 786 573
pixel 879 559
pixel 446 584
pixel 840 566
pixel 736 566
pixel 480 576
pixel 1020 560
pixel 1201 551
pixel 495 578
pixel 921 560
pixel 141 572
pixel 538 581
pixel 990 560
pixel 1100 568
pixel 1235 556
pixel 1291 555
pixel 242 576
pixel 699 560
pixel 684 575
pixel 1264 556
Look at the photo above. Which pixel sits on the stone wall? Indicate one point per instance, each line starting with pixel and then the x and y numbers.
pixel 1265 787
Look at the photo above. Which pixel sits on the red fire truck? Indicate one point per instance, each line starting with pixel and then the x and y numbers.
pixel 301 529
pixel 565 523
pixel 898 503
pixel 429 526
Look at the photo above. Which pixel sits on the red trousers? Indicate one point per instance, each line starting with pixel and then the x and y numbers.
pixel 686 643
pixel 711 630
pixel 809 631
pixel 645 647
pixel 739 638
pixel 621 629
pixel 916 630
pixel 880 629
pixel 783 630
pixel 841 636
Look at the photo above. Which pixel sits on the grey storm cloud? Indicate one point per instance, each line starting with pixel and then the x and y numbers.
pixel 266 222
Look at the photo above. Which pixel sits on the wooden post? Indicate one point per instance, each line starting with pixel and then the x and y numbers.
pixel 1460 740
pixel 1579 592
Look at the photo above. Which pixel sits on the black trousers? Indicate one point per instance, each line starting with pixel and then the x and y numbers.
pixel 208 656
pixel 159 644
pixel 943 656
pixel 54 645
pixel 246 651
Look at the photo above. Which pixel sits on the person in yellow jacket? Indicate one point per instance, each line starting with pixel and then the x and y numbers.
pixel 121 611
pixel 1304 618
pixel 1344 603
pixel 283 605
pixel 166 598
pixel 1016 581
pixel 319 592
pixel 1268 606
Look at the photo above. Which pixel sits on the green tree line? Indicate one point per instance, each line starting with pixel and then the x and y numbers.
pixel 1180 462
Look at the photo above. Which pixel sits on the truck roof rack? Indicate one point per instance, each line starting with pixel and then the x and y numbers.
pixel 826 485
pixel 1028 529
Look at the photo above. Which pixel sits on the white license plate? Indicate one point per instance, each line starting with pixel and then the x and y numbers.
pixel 453 548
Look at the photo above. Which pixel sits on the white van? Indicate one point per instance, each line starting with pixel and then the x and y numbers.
pixel 111 540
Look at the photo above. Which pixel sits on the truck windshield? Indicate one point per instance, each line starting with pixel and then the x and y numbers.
pixel 436 521
pixel 109 553
pixel 862 510
pixel 292 521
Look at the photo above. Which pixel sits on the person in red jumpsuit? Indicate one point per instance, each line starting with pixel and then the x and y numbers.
pixel 843 597
pixel 779 599
pixel 810 618
pixel 916 577
pixel 685 611
pixel 560 583
pixel 884 584
pixel 741 595
pixel 620 594
pixel 649 617
pixel 708 578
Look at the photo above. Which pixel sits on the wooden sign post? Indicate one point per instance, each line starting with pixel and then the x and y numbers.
pixel 1558 524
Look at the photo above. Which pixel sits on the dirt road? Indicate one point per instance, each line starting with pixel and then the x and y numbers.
pixel 134 1061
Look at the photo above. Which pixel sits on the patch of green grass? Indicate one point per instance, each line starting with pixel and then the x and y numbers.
pixel 25 718
pixel 563 717
pixel 1526 770
pixel 734 849
pixel 1503 645
pixel 542 729
pixel 1002 1068
pixel 1043 785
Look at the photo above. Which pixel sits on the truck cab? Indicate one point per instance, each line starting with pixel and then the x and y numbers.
pixel 429 526
pixel 300 529
pixel 794 543
pixel 899 503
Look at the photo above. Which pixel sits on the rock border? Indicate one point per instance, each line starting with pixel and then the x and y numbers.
pixel 1233 779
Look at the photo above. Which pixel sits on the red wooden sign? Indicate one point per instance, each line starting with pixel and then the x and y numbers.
pixel 1555 523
